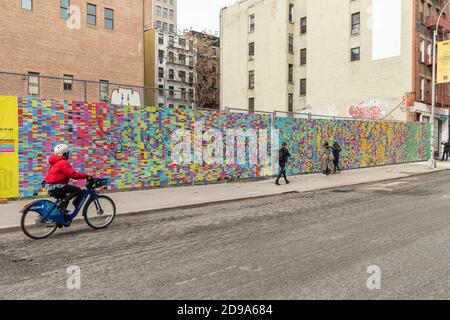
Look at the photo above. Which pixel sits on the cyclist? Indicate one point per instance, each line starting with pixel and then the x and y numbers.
pixel 58 177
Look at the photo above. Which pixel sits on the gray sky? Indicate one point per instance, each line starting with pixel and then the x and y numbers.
pixel 200 14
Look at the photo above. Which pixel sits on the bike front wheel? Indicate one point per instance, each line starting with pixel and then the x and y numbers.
pixel 33 226
pixel 99 214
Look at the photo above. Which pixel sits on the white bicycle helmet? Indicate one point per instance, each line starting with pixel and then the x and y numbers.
pixel 61 149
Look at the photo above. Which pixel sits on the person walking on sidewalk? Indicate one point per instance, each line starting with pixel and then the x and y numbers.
pixel 282 160
pixel 336 151
pixel 325 159
pixel 446 145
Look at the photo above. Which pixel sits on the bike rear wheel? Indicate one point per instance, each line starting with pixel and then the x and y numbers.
pixel 99 217
pixel 33 227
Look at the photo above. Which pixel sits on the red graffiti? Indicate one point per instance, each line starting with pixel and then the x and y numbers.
pixel 366 111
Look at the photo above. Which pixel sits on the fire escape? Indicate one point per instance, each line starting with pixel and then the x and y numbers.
pixel 442 90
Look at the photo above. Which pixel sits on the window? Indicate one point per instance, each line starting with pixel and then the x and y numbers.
pixel 183 93
pixel 251 23
pixel 182 42
pixel 356 23
pixel 158 24
pixel 303 25
pixel 27 5
pixel 161 90
pixel 291 12
pixel 355 54
pixel 165 26
pixel 291 73
pixel 171 56
pixel 422 51
pixel 251 79
pixel 160 38
pixel 68 81
pixel 171 74
pixel 171 91
pixel 171 14
pixel 422 11
pixel 429 53
pixel 171 28
pixel 182 58
pixel 92 14
pixel 290 102
pixel 33 83
pixel 158 11
pixel 104 89
pixel 182 75
pixel 64 9
pixel 191 94
pixel 251 50
pixel 165 13
pixel 161 54
pixel 251 104
pixel 109 19
pixel 191 77
pixel 303 87
pixel 160 73
pixel 303 57
pixel 291 43
pixel 422 89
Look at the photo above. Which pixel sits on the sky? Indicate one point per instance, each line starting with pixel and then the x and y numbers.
pixel 201 14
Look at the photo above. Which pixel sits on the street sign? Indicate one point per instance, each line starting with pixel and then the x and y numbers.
pixel 443 62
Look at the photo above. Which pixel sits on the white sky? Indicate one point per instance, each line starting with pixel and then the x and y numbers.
pixel 201 14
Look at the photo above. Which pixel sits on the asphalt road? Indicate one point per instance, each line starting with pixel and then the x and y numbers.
pixel 315 245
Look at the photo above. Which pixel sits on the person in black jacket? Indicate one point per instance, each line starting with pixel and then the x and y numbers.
pixel 283 159
pixel 446 145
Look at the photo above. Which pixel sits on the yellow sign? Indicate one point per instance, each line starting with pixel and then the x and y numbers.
pixel 9 147
pixel 443 62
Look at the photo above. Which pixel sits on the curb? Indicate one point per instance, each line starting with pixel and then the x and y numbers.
pixel 217 202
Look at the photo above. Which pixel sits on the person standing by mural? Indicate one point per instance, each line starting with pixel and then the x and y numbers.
pixel 336 151
pixel 446 145
pixel 282 160
pixel 325 159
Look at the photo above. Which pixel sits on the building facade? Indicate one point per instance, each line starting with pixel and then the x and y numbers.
pixel 358 59
pixel 161 14
pixel 170 61
pixel 207 69
pixel 99 40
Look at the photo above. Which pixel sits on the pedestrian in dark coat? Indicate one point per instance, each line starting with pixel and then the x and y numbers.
pixel 336 154
pixel 282 161
pixel 446 145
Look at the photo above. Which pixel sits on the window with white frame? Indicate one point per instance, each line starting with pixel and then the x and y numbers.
pixel 251 23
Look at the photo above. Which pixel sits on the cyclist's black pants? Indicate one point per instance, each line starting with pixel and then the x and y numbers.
pixel 68 193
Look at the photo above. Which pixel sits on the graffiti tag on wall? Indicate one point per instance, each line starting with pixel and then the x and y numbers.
pixel 370 109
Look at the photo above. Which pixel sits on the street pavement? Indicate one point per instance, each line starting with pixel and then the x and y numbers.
pixel 182 197
pixel 311 245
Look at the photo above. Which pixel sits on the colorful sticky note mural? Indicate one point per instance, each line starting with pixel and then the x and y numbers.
pixel 136 146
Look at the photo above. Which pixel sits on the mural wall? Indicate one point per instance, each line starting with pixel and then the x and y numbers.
pixel 142 147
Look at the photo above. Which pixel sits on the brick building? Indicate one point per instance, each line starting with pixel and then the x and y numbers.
pixel 98 40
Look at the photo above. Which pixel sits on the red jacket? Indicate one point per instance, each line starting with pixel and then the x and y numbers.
pixel 61 171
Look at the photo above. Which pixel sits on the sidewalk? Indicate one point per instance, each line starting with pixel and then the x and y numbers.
pixel 183 197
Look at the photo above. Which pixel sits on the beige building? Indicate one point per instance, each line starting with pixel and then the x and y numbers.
pixel 161 14
pixel 359 58
pixel 98 40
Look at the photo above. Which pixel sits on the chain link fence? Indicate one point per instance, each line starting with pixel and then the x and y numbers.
pixel 68 88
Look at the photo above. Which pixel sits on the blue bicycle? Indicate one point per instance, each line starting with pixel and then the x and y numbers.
pixel 41 218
